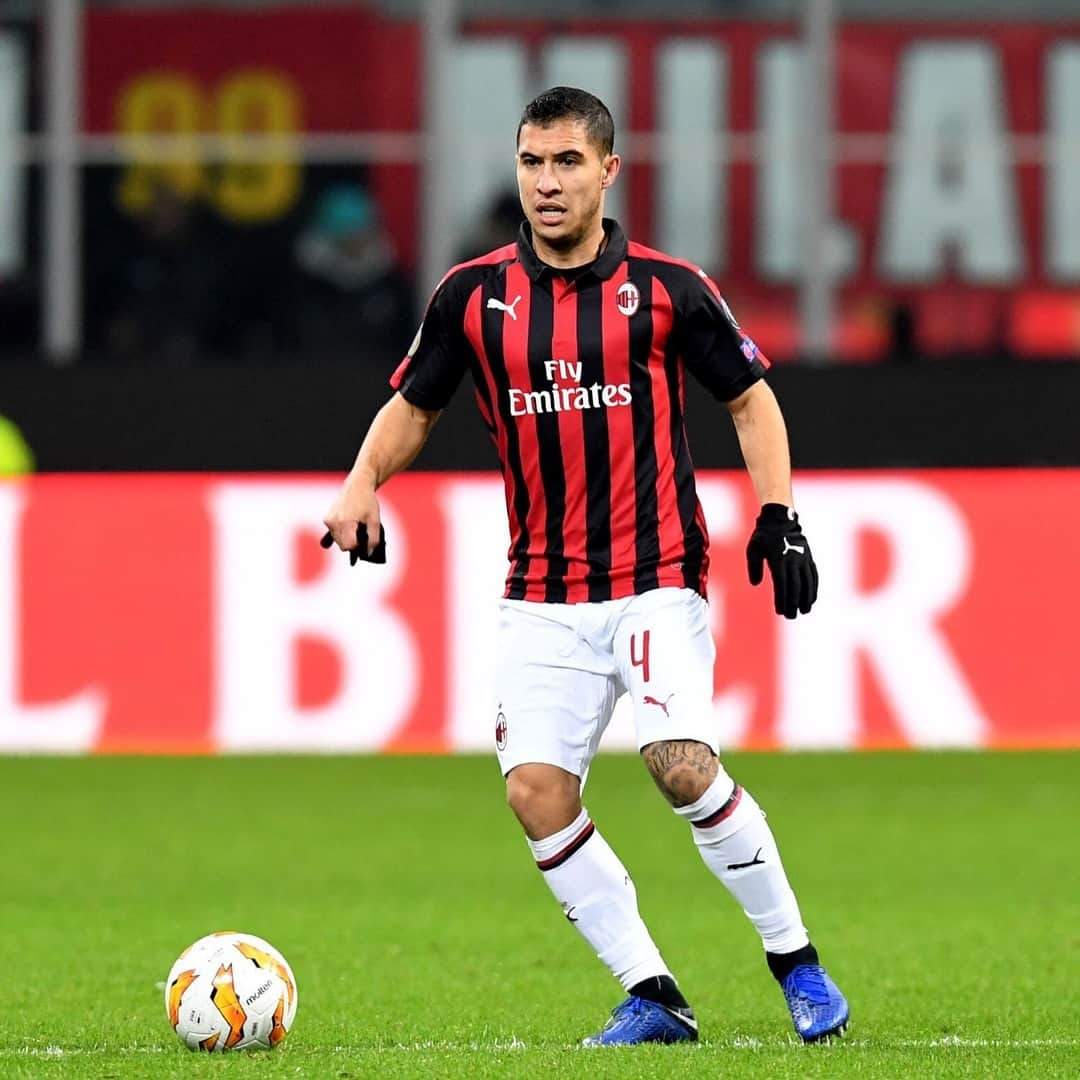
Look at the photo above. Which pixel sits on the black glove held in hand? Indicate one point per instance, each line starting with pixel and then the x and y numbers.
pixel 359 553
pixel 778 541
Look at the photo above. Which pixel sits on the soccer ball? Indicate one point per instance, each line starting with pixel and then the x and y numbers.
pixel 230 991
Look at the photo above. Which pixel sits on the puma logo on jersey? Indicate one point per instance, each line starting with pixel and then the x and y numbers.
pixel 498 305
pixel 650 700
pixel 799 549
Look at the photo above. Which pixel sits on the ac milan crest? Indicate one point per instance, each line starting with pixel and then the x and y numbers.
pixel 500 730
pixel 628 299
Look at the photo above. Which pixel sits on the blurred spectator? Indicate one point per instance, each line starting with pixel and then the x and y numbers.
pixel 497 227
pixel 19 317
pixel 254 316
pixel 156 294
pixel 903 347
pixel 353 294
pixel 16 457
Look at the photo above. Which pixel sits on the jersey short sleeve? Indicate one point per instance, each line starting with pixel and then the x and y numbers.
pixel 715 349
pixel 435 363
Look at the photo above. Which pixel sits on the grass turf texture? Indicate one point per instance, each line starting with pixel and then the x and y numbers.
pixel 943 892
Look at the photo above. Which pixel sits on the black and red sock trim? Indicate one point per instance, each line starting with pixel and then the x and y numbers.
pixel 561 856
pixel 723 813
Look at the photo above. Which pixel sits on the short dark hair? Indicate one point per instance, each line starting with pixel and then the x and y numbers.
pixel 570 103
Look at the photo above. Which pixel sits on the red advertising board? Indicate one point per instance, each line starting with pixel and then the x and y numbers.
pixel 198 613
pixel 941 204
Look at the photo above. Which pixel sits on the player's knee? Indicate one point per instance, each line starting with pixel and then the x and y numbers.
pixel 683 785
pixel 683 770
pixel 544 798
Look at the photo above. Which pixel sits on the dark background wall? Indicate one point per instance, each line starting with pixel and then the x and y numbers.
pixel 962 413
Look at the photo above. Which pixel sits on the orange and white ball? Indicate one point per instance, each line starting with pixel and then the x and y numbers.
pixel 231 991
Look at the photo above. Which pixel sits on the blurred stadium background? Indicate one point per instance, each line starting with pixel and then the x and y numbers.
pixel 218 225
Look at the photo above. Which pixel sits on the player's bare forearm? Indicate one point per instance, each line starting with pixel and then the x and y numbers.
pixel 763 440
pixel 396 436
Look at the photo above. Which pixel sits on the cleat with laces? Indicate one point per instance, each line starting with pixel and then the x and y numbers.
pixel 637 1020
pixel 818 1009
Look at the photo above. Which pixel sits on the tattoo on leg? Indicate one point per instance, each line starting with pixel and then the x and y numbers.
pixel 681 769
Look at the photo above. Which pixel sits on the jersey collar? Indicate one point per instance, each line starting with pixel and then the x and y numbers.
pixel 606 263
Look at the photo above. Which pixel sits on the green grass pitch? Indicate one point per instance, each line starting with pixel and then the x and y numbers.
pixel 943 891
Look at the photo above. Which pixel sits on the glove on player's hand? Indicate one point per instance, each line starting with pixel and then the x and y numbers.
pixel 359 553
pixel 778 540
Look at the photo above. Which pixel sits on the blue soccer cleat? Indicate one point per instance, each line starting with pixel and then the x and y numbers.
pixel 818 1009
pixel 637 1020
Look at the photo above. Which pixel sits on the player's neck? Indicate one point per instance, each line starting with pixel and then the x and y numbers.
pixel 587 251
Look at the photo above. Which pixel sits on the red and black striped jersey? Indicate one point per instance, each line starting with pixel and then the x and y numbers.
pixel 579 376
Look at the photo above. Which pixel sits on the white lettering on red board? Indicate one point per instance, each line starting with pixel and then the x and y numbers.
pixel 261 611
pixel 896 625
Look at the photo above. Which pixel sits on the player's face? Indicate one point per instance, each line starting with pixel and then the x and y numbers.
pixel 562 177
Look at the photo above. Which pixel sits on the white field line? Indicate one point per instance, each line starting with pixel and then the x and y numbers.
pixel 946 1042
pixel 75 1051
pixel 739 1042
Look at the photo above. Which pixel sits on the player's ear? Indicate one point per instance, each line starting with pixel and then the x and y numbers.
pixel 610 170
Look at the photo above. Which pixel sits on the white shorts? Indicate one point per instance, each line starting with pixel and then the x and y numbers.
pixel 562 667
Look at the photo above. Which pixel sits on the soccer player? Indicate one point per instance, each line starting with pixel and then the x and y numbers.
pixel 578 342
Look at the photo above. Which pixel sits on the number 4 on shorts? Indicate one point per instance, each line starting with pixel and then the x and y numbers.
pixel 641 661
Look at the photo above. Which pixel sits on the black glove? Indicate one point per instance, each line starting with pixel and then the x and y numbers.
pixel 359 553
pixel 778 541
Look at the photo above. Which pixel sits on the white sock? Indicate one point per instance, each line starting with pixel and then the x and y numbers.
pixel 737 845
pixel 599 898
